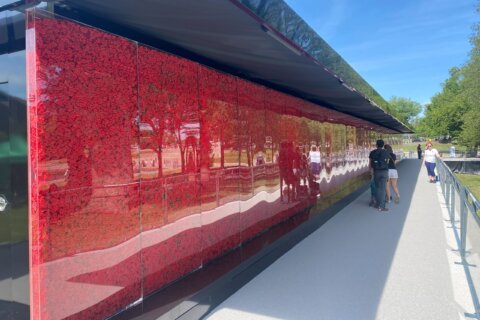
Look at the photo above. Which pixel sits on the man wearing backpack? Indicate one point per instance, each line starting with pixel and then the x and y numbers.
pixel 379 164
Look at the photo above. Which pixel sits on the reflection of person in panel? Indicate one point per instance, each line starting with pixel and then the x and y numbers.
pixel 298 170
pixel 190 160
pixel 285 163
pixel 303 166
pixel 260 158
pixel 328 153
pixel 314 159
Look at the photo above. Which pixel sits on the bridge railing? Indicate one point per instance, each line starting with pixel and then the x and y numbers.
pixel 464 211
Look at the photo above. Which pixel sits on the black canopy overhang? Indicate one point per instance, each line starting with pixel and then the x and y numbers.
pixel 226 32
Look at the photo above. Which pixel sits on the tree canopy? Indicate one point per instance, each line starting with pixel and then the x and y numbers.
pixel 455 111
pixel 405 109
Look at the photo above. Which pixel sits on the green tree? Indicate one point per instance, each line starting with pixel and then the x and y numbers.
pixel 455 111
pixel 405 109
pixel 470 135
pixel 444 115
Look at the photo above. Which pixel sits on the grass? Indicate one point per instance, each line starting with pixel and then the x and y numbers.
pixel 471 181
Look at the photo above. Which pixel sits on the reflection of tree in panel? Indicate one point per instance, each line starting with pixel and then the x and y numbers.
pixel 273 128
pixel 221 130
pixel 274 105
pixel 219 123
pixel 169 107
pixel 184 127
pixel 304 133
pixel 290 129
pixel 351 143
pixel 251 121
pixel 153 128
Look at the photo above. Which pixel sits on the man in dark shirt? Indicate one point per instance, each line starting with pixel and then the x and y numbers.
pixel 380 175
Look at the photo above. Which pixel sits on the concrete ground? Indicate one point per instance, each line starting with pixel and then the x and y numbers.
pixel 366 264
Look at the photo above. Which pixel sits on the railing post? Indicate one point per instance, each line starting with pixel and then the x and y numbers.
pixel 442 179
pixel 452 200
pixel 463 221
pixel 447 193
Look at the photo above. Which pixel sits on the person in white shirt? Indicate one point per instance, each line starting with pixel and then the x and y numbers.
pixel 314 159
pixel 452 151
pixel 429 158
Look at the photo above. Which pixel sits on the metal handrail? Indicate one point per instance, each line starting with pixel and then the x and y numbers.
pixel 450 185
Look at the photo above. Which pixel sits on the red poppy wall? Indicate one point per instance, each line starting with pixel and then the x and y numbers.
pixel 145 166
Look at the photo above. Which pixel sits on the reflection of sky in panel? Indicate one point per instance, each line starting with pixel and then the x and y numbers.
pixel 13 65
pixel 12 68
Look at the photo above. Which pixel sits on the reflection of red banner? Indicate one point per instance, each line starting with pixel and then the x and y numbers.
pixel 159 166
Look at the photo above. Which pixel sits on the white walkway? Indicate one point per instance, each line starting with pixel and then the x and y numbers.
pixel 363 264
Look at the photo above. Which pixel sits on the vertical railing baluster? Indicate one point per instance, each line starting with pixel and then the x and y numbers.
pixel 447 196
pixel 452 200
pixel 442 179
pixel 463 221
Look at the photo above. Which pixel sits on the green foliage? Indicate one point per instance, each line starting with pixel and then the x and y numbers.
pixel 470 135
pixel 406 110
pixel 455 111
pixel 444 115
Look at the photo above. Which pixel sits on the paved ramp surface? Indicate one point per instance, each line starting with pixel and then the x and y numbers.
pixel 363 264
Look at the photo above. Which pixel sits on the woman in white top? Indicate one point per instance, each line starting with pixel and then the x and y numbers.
pixel 429 158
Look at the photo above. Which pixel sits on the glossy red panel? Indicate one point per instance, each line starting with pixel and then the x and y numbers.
pixel 85 205
pixel 274 108
pixel 169 159
pixel 219 171
pixel 145 166
pixel 253 159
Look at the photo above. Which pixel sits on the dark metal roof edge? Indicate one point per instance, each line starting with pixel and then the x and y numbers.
pixel 252 14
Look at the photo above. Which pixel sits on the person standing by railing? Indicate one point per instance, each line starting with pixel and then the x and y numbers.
pixel 429 159
pixel 452 151
pixel 419 151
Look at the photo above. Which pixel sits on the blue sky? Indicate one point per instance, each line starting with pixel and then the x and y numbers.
pixel 402 48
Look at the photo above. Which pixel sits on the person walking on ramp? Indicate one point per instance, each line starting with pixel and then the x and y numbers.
pixel 379 164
